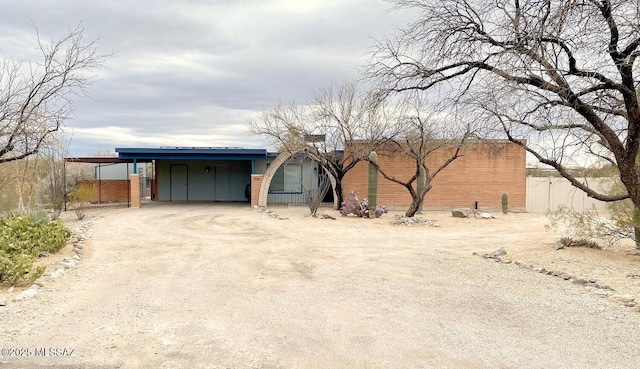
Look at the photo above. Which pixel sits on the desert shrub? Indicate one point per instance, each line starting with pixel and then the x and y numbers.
pixel 579 242
pixel 587 225
pixel 17 269
pixel 353 205
pixel 22 238
pixel 80 197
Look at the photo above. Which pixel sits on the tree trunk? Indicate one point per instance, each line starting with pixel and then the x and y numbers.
pixel 413 208
pixel 415 205
pixel 339 192
pixel 636 226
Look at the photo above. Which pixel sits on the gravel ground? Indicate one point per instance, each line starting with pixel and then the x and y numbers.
pixel 224 286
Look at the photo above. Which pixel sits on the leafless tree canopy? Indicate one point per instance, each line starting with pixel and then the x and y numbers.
pixel 327 128
pixel 561 74
pixel 417 135
pixel 36 97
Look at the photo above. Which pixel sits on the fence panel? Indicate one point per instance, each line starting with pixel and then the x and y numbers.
pixel 548 193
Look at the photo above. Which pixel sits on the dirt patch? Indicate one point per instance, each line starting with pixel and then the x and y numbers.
pixel 222 286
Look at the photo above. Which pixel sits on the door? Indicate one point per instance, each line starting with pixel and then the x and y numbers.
pixel 222 183
pixel 179 188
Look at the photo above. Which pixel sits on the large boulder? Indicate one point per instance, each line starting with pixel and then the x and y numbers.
pixel 461 213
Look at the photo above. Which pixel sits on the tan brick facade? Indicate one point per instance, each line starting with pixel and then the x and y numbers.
pixel 136 201
pixel 108 190
pixel 256 182
pixel 480 174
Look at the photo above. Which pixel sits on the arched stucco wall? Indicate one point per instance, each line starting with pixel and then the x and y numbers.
pixel 271 171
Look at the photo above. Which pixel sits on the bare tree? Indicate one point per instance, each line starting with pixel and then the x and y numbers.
pixel 430 143
pixel 37 97
pixel 326 129
pixel 561 74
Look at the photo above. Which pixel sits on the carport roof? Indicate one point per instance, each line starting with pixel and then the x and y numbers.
pixel 191 153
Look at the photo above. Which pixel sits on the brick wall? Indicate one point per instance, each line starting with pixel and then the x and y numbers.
pixel 256 182
pixel 108 190
pixel 135 190
pixel 480 175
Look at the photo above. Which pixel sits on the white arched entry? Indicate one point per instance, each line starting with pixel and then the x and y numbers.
pixel 271 171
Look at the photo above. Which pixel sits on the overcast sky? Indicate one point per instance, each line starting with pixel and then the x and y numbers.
pixel 192 72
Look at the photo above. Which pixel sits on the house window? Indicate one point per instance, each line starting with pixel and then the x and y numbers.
pixel 288 178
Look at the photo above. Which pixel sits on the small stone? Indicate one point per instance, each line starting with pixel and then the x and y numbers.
pixel 556 273
pixel 623 299
pixel 601 293
pixel 558 246
pixel 579 281
pixel 57 273
pixel 566 276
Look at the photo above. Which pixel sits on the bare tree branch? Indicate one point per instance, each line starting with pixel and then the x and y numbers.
pixel 37 97
pixel 560 74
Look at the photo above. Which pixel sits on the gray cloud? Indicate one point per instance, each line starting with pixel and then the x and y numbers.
pixel 195 70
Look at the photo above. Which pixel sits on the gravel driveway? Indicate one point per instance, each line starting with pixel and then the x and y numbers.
pixel 224 286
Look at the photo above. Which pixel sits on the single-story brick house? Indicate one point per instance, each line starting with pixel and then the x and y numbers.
pixel 477 178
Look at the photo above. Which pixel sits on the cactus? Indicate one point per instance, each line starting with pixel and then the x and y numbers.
pixel 505 203
pixel 373 184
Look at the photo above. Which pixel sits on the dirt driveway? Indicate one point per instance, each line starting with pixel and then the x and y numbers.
pixel 221 286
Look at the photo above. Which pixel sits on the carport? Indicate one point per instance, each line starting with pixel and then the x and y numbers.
pixel 99 182
pixel 198 173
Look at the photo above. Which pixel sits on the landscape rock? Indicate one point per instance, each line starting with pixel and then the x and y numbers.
pixel 558 246
pixel 496 254
pixel 328 214
pixel 622 299
pixel 483 216
pixel 461 213
pixel 408 221
pixel 57 273
pixel 28 293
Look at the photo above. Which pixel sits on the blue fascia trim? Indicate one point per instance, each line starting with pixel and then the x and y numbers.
pixel 190 157
pixel 190 154
pixel 189 151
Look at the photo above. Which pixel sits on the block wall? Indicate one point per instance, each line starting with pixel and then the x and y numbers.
pixel 108 190
pixel 481 174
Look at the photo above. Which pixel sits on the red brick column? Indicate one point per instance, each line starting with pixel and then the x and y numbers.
pixel 256 183
pixel 135 190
